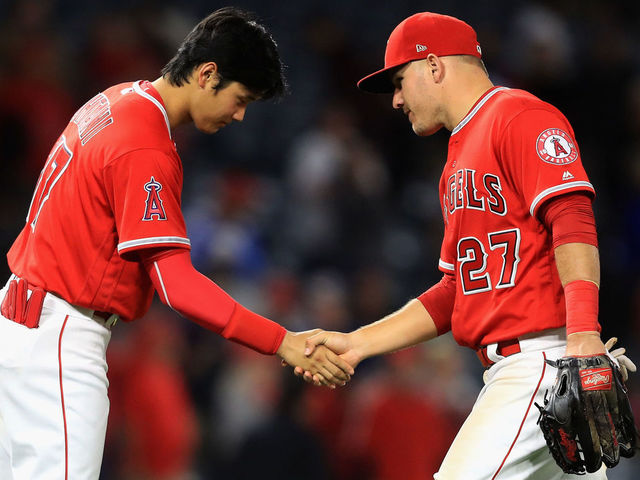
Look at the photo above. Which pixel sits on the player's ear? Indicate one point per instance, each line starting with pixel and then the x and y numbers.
pixel 434 68
pixel 207 75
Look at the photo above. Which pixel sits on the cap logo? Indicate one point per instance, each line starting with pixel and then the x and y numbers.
pixel 479 49
pixel 420 48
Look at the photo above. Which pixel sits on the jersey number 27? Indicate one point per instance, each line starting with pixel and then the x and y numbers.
pixel 472 258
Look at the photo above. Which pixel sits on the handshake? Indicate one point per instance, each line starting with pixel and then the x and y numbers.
pixel 329 358
pixel 320 357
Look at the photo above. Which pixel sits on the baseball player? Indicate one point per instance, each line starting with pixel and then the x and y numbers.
pixel 519 256
pixel 104 230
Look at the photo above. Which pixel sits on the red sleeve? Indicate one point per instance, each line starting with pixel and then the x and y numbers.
pixel 439 301
pixel 570 219
pixel 144 188
pixel 543 156
pixel 194 296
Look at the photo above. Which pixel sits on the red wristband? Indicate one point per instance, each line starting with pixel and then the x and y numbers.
pixel 581 300
pixel 254 331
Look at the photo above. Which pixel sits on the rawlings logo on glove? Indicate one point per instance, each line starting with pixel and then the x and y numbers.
pixel 587 418
pixel 596 379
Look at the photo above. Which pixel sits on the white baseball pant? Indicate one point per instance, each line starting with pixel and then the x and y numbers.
pixel 500 438
pixel 53 394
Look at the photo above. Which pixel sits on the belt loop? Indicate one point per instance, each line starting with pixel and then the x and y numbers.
pixel 492 353
pixel 105 319
pixel 111 321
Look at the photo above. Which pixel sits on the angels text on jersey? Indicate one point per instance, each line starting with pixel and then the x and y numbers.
pixel 467 189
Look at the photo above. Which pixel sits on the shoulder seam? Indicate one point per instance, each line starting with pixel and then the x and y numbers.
pixel 109 162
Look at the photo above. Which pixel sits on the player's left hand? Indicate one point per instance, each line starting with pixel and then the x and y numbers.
pixel 584 343
pixel 625 363
pixel 589 343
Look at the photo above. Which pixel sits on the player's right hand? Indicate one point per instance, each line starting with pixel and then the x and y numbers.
pixel 339 343
pixel 327 366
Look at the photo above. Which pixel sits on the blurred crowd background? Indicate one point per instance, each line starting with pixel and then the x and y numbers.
pixel 318 211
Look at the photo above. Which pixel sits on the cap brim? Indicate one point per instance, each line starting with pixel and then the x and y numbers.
pixel 378 82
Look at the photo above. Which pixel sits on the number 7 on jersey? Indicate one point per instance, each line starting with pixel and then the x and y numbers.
pixel 57 163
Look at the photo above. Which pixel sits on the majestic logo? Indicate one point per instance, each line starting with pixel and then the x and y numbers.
pixel 567 176
pixel 420 48
pixel 153 204
pixel 596 378
pixel 556 147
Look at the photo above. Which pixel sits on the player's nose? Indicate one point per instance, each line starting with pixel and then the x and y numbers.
pixel 398 99
pixel 238 116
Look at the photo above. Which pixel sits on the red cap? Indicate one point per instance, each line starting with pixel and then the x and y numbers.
pixel 415 38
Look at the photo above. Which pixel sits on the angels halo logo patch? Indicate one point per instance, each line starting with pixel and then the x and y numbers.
pixel 153 204
pixel 556 147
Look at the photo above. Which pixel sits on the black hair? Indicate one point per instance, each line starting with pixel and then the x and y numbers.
pixel 242 48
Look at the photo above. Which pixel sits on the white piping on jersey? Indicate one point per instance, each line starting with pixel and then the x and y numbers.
pixel 152 241
pixel 470 115
pixel 555 189
pixel 139 91
pixel 445 265
pixel 164 290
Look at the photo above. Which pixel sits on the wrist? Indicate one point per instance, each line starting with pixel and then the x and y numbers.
pixel 576 335
pixel 285 345
pixel 584 343
pixel 358 345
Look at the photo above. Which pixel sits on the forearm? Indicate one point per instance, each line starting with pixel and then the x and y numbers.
pixel 570 220
pixel 408 326
pixel 579 271
pixel 578 261
pixel 199 299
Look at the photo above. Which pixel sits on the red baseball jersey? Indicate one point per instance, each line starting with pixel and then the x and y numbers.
pixel 111 186
pixel 510 154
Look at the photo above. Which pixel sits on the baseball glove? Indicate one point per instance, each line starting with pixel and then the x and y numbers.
pixel 587 418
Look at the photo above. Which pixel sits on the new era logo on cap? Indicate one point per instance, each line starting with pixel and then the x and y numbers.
pixel 420 48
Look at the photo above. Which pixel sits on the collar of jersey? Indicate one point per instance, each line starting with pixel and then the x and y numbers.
pixel 151 98
pixel 476 108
